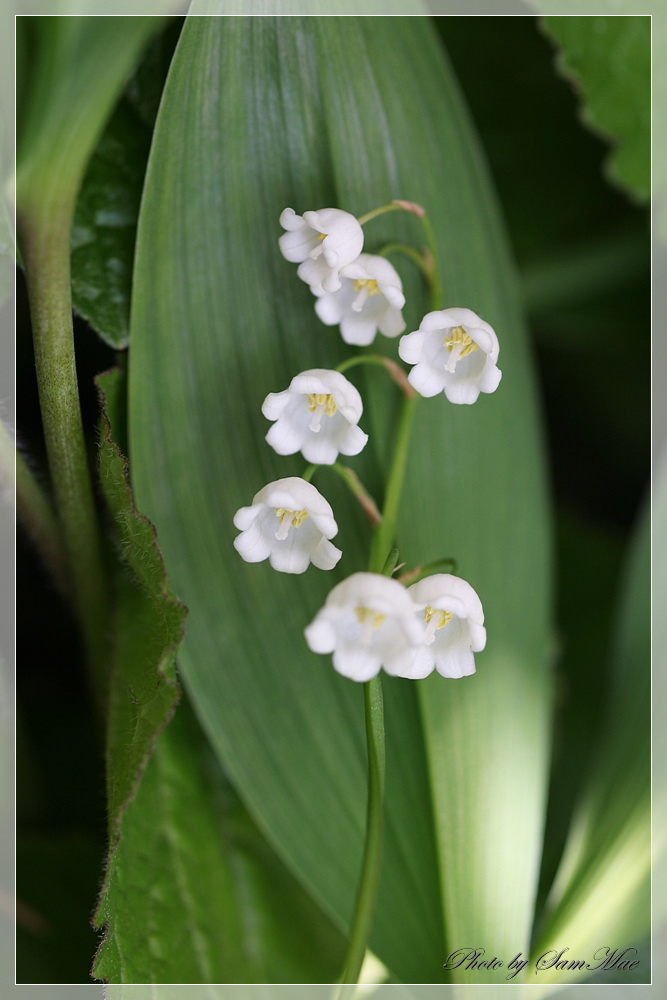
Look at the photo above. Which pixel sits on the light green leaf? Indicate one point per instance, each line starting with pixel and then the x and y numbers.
pixel 601 895
pixel 257 115
pixel 196 895
pixel 66 90
pixel 609 61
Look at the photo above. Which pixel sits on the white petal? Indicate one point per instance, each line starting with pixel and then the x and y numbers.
pixel 328 308
pixel 449 593
pixel 490 378
pixel 358 664
pixel 275 403
pixel 356 330
pixel 319 449
pixel 414 664
pixel 244 517
pixel 461 392
pixel 284 437
pixel 392 323
pixel 411 347
pixel 326 555
pixel 426 380
pixel 252 545
pixel 320 635
pixel 354 441
pixel 290 556
pixel 454 662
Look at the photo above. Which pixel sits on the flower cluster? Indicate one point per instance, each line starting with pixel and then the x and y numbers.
pixel 369 621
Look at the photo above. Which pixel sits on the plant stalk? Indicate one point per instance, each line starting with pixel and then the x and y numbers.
pixel 45 245
pixel 34 511
pixel 370 872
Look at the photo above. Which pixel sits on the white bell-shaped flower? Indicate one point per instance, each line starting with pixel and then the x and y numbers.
pixel 289 523
pixel 452 622
pixel 369 299
pixel 453 351
pixel 322 243
pixel 317 415
pixel 368 621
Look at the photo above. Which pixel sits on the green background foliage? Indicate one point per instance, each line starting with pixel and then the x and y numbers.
pixel 351 112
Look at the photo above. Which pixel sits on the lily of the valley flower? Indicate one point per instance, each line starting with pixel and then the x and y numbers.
pixel 322 243
pixel 370 298
pixel 455 351
pixel 317 415
pixel 452 621
pixel 289 523
pixel 368 621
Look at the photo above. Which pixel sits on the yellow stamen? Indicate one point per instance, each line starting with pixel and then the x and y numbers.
pixel 367 615
pixel 316 399
pixel 459 336
pixel 370 284
pixel 296 516
pixel 445 616
pixel 321 236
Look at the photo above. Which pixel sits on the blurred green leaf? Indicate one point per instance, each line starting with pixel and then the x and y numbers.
pixel 257 115
pixel 105 223
pixel 601 895
pixel 609 61
pixel 66 90
pixel 197 896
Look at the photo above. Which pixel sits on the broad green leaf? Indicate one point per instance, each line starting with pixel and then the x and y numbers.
pixel 601 895
pixel 257 115
pixel 197 896
pixel 105 223
pixel 609 61
pixel 66 90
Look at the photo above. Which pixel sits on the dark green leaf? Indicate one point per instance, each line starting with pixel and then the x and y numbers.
pixel 105 223
pixel 197 896
pixel 609 61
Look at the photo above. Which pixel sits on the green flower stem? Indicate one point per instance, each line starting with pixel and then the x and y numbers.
pixel 393 206
pixel 353 483
pixel 382 560
pixel 434 276
pixel 382 210
pixel 392 367
pixel 383 536
pixel 370 871
pixel 34 511
pixel 359 491
pixel 45 245
pixel 410 252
